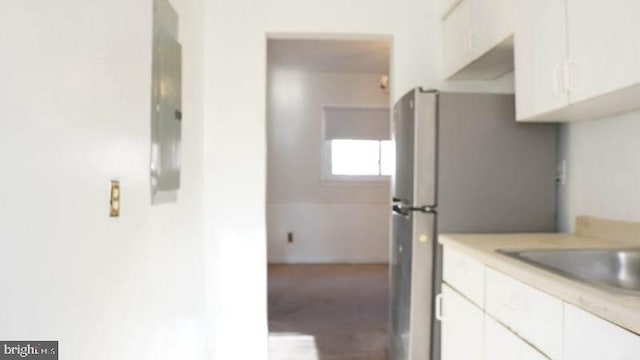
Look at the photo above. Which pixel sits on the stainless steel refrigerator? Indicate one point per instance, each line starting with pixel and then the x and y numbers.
pixel 463 165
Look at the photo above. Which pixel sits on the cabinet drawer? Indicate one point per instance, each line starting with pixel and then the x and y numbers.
pixel 588 337
pixel 464 274
pixel 528 312
pixel 462 327
pixel 502 344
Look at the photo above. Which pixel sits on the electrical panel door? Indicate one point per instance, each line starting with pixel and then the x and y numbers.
pixel 166 118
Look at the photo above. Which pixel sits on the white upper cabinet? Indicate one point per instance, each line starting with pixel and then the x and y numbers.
pixel 540 53
pixel 457 32
pixel 446 6
pixel 477 39
pixel 492 24
pixel 604 46
pixel 576 59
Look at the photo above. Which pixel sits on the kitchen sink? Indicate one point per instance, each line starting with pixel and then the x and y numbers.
pixel 616 270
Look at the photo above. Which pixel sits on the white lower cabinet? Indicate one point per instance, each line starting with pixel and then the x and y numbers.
pixel 502 344
pixel 515 321
pixel 529 312
pixel 462 327
pixel 587 337
pixel 464 274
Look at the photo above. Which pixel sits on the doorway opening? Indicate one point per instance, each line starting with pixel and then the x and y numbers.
pixel 328 174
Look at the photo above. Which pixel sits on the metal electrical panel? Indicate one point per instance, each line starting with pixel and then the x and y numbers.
pixel 166 111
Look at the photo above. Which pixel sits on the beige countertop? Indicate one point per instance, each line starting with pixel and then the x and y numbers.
pixel 622 310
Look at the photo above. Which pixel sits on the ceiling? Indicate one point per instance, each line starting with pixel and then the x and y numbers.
pixel 362 56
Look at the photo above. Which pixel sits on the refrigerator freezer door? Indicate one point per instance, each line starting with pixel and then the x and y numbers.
pixel 403 138
pixel 425 149
pixel 415 138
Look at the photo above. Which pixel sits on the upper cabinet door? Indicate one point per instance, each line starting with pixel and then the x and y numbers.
pixel 477 40
pixel 540 54
pixel 457 38
pixel 446 6
pixel 604 46
pixel 492 24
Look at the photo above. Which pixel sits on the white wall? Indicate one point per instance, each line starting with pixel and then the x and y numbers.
pixel 75 114
pixel 235 135
pixel 329 233
pixel 75 99
pixel 603 163
pixel 331 221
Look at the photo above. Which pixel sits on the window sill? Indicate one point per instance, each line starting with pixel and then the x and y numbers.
pixel 356 179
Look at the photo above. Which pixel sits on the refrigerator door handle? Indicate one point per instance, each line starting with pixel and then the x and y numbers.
pixel 405 210
pixel 424 209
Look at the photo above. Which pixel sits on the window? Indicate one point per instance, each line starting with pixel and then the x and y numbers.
pixel 357 143
pixel 361 157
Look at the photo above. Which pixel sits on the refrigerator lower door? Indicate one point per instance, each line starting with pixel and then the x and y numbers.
pixel 401 260
pixel 412 285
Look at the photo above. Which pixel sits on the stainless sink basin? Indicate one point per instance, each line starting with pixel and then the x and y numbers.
pixel 615 270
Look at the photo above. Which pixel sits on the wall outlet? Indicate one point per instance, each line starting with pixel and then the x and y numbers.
pixel 289 237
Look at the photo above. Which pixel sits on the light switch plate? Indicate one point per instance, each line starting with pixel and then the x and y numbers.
pixel 115 199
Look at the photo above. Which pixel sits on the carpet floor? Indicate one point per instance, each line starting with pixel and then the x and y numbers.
pixel 328 312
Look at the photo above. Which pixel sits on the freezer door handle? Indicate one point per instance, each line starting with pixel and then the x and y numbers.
pixel 400 206
pixel 404 211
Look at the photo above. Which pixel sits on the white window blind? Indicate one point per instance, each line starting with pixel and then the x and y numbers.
pixel 357 123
